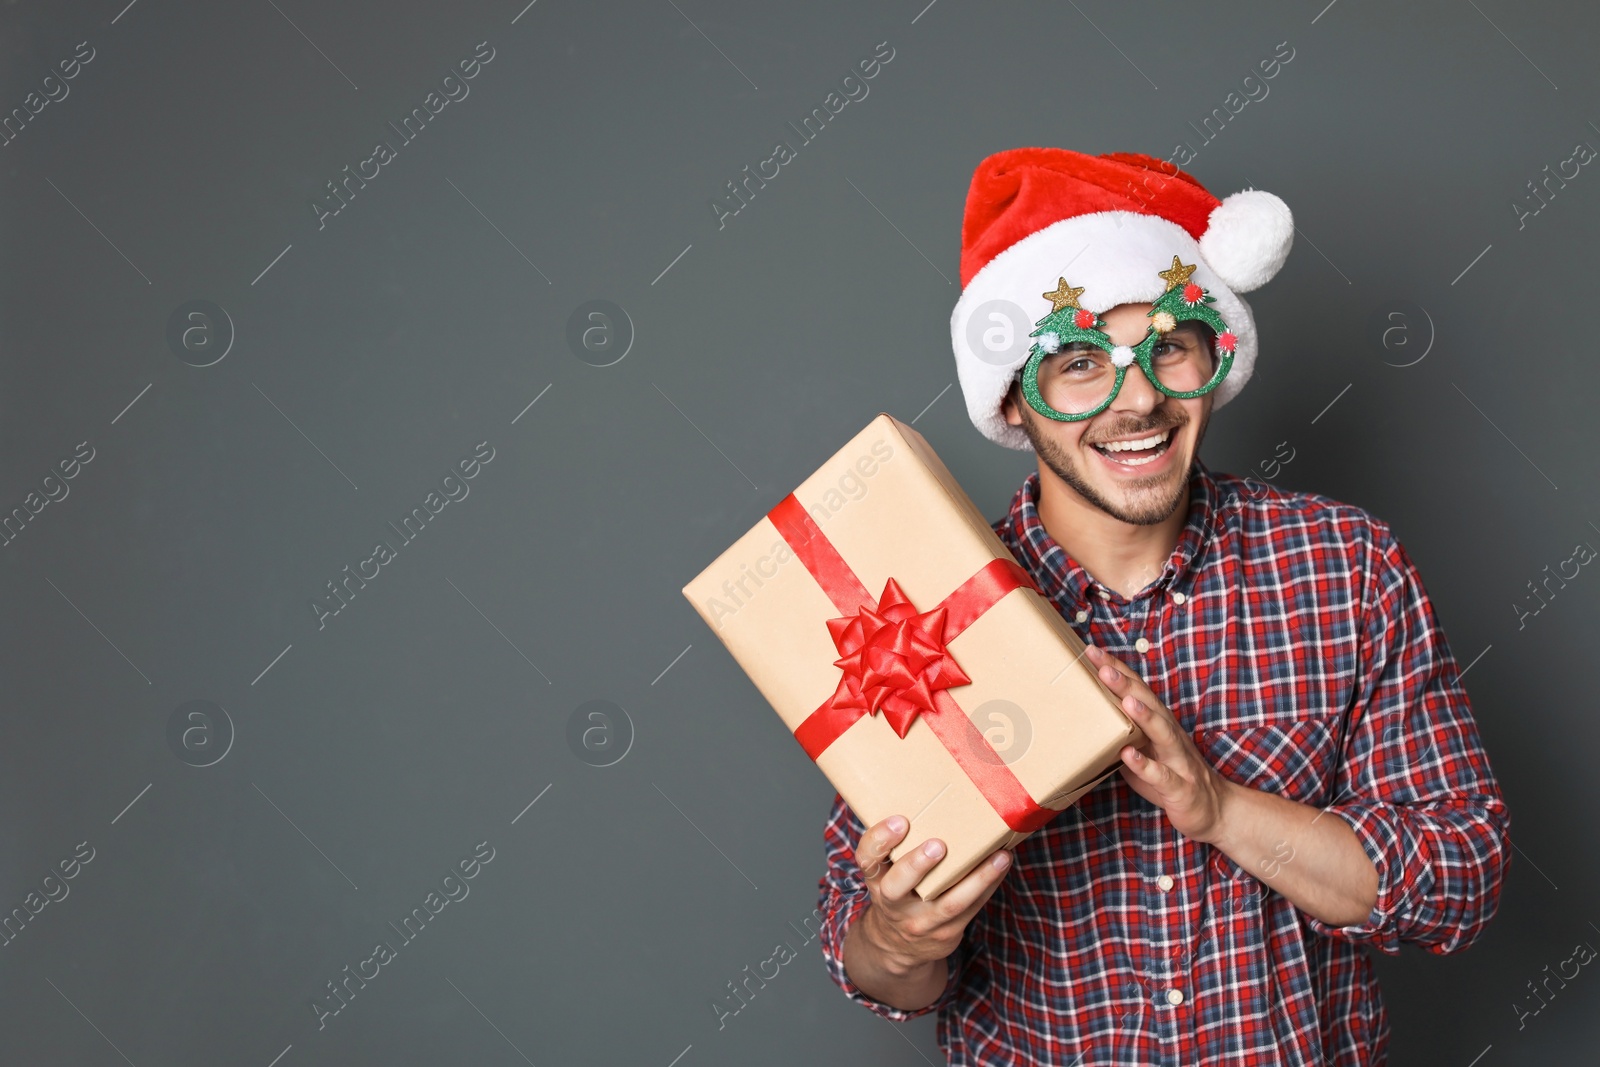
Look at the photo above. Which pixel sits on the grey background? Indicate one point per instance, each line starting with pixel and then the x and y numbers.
pixel 426 316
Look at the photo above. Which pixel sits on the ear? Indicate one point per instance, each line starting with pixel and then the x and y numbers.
pixel 1008 406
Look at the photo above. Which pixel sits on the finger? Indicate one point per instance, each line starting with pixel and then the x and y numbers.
pixel 1119 677
pixel 872 850
pixel 1113 677
pixel 1096 652
pixel 908 870
pixel 1138 785
pixel 1128 671
pixel 1142 707
pixel 1100 657
pixel 1152 772
pixel 1137 685
pixel 1128 687
pixel 1161 729
pixel 962 900
pixel 1141 689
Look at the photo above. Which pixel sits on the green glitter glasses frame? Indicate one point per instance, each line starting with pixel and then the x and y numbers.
pixel 1068 323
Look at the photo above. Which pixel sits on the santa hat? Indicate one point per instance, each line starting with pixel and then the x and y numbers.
pixel 1109 223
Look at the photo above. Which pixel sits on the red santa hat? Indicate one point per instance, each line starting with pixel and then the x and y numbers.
pixel 1109 223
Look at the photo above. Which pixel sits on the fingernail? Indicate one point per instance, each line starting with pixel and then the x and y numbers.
pixel 933 849
pixel 897 824
pixel 1002 861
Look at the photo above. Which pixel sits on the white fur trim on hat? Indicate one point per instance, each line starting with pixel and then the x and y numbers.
pixel 1117 257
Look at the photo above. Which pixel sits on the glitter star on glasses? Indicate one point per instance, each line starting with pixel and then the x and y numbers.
pixel 1175 275
pixel 1064 296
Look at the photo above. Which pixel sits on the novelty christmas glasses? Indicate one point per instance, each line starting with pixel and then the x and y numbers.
pixel 1075 370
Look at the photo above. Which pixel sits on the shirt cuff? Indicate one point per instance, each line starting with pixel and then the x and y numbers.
pixel 847 913
pixel 1405 872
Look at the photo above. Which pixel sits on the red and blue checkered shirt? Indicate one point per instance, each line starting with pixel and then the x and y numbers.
pixel 1292 637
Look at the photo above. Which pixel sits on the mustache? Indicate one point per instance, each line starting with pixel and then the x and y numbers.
pixel 1136 430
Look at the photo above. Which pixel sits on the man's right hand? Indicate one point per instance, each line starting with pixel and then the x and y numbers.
pixel 895 952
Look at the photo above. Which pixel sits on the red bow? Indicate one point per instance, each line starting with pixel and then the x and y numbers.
pixel 894 659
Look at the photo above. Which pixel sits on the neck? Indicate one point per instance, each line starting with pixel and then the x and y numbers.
pixel 1120 555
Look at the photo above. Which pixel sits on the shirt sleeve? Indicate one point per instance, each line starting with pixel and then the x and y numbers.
pixel 1414 782
pixel 843 896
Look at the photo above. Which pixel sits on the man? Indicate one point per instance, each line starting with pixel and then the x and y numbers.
pixel 1312 783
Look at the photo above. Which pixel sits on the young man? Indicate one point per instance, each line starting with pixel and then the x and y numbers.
pixel 1313 783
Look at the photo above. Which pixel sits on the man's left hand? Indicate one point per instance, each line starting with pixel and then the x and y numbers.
pixel 1168 769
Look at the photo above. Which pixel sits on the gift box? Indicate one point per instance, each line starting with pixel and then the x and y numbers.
pixel 911 656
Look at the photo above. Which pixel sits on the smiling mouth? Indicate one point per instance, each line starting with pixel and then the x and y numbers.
pixel 1138 452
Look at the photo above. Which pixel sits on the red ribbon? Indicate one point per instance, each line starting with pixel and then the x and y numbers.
pixel 895 660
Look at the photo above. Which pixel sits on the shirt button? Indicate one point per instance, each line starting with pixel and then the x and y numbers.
pixel 1174 996
pixel 1083 616
pixel 1178 598
pixel 1105 594
pixel 1165 882
pixel 1142 645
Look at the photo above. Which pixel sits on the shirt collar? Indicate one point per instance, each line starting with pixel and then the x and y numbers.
pixel 1065 580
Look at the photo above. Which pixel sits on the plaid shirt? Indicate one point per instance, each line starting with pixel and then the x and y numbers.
pixel 1291 635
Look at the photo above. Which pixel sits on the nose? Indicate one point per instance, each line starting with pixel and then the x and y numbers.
pixel 1137 395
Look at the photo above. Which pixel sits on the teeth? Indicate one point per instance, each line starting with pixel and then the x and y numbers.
pixel 1134 446
pixel 1141 461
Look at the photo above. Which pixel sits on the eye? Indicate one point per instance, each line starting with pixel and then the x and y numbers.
pixel 1081 360
pixel 1170 347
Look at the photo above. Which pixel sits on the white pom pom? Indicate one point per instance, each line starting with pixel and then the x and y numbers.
pixel 1121 355
pixel 1247 239
pixel 1050 342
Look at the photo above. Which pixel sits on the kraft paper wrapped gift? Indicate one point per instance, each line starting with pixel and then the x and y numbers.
pixel 913 659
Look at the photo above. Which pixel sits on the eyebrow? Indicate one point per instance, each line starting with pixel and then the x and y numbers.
pixel 1188 328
